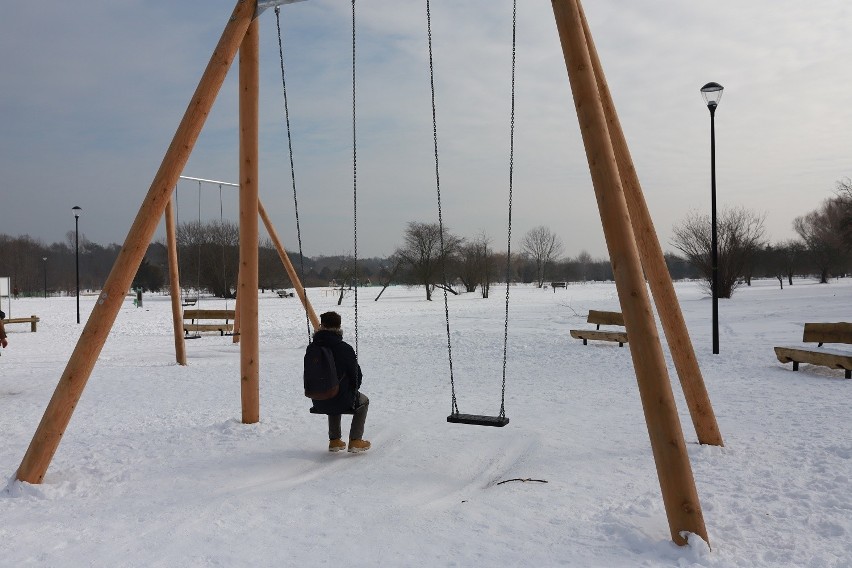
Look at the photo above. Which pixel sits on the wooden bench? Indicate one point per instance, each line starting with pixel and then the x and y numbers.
pixel 556 285
pixel 224 319
pixel 600 318
pixel 32 320
pixel 285 294
pixel 819 333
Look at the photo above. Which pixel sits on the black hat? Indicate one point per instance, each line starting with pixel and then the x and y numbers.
pixel 330 320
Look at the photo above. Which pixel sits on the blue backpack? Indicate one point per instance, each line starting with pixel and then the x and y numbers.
pixel 321 380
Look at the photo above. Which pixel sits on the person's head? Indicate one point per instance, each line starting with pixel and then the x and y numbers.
pixel 330 321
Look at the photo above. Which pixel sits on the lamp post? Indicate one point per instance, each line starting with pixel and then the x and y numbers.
pixel 76 210
pixel 712 93
pixel 44 264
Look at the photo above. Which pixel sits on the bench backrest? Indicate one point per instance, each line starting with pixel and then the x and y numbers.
pixel 208 314
pixel 605 318
pixel 839 332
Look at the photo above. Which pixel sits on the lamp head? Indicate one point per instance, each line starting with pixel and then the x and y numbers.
pixel 712 93
pixel 76 210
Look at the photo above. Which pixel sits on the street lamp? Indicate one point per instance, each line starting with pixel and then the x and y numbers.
pixel 712 93
pixel 44 264
pixel 76 210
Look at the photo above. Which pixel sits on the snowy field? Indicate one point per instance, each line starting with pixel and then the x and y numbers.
pixel 155 468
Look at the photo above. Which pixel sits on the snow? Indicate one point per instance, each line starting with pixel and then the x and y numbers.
pixel 156 469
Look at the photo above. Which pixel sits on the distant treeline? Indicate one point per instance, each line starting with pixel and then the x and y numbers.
pixel 208 257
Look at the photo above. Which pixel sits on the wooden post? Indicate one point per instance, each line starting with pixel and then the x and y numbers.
pixel 288 266
pixel 174 283
pixel 680 497
pixel 248 277
pixel 651 253
pixel 70 387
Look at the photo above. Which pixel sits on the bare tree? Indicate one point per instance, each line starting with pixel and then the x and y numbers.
pixel 739 234
pixel 209 256
pixel 584 260
pixel 396 264
pixel 844 196
pixel 422 253
pixel 823 233
pixel 345 276
pixel 476 265
pixel 271 271
pixel 543 247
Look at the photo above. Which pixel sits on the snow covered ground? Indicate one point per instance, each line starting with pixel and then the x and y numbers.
pixel 155 468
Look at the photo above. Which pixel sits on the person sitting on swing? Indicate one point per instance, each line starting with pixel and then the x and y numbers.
pixel 349 397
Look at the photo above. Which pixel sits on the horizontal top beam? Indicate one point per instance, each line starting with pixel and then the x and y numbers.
pixel 213 181
pixel 264 4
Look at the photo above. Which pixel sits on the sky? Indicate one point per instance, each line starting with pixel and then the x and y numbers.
pixel 92 95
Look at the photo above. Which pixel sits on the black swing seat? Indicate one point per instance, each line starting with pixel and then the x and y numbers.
pixel 478 420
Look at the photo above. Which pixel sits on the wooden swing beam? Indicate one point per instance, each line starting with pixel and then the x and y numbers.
pixel 79 368
pixel 653 260
pixel 174 283
pixel 680 496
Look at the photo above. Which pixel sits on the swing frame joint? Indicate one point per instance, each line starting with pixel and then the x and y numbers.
pixel 264 4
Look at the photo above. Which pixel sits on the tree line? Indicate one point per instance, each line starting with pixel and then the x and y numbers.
pixel 823 248
pixel 208 257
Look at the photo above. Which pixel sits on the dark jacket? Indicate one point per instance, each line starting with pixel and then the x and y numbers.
pixel 348 371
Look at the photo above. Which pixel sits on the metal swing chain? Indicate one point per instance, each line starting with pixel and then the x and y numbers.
pixel 292 166
pixel 222 228
pixel 198 236
pixel 509 231
pixel 354 182
pixel 177 248
pixel 455 409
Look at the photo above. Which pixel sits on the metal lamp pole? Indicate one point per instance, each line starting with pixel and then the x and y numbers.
pixel 44 264
pixel 76 209
pixel 712 93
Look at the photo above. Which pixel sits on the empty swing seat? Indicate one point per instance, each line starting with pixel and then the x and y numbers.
pixel 478 420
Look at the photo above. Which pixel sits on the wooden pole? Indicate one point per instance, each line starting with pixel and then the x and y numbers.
pixel 680 497
pixel 288 266
pixel 174 283
pixel 651 253
pixel 61 406
pixel 248 277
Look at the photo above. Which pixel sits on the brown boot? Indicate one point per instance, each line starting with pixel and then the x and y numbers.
pixel 337 445
pixel 356 446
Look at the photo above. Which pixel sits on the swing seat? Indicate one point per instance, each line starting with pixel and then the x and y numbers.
pixel 478 420
pixel 315 410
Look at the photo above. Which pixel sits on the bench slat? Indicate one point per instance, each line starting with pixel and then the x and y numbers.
pixel 826 358
pixel 208 314
pixel 32 320
pixel 838 332
pixel 585 334
pixel 605 318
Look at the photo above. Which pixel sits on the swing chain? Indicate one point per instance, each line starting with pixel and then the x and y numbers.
pixel 354 183
pixel 292 166
pixel 509 231
pixel 455 409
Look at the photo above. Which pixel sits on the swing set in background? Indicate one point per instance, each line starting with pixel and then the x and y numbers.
pixel 631 240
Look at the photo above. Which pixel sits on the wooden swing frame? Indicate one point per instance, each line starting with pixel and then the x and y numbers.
pixel 629 231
